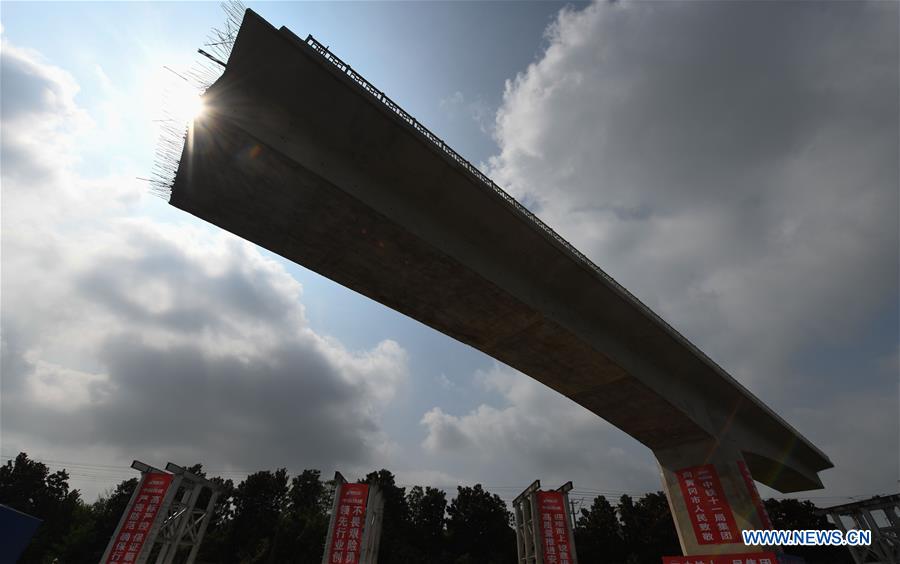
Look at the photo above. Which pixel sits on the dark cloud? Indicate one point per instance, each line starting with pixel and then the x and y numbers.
pixel 734 165
pixel 174 364
pixel 164 286
pixel 158 341
pixel 255 409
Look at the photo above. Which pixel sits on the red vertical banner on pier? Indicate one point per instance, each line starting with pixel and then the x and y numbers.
pixel 710 513
pixel 140 515
pixel 554 528
pixel 349 522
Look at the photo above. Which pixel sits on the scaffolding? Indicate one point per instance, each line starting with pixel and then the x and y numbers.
pixel 186 520
pixel 181 521
pixel 881 516
pixel 529 540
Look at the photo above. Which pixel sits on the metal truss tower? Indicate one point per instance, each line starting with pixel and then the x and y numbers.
pixel 881 516
pixel 186 521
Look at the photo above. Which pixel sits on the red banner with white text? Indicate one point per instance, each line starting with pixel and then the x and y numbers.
pixel 130 538
pixel 710 513
pixel 349 522
pixel 554 528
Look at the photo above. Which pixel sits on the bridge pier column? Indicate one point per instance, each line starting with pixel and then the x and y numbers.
pixel 712 497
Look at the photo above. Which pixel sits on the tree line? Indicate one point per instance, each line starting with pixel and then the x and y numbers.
pixel 271 517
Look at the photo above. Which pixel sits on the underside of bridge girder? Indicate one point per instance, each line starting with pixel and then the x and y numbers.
pixel 299 155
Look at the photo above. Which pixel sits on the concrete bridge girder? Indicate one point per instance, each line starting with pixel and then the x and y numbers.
pixel 295 157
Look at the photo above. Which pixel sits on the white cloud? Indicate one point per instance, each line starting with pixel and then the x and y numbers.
pixel 159 341
pixel 735 166
pixel 538 433
pixel 40 119
pixel 710 168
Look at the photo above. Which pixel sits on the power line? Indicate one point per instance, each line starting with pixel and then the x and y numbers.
pixel 93 472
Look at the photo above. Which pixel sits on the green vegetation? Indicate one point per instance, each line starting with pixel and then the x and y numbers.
pixel 271 517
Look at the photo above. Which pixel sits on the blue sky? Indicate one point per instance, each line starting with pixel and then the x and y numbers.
pixel 739 181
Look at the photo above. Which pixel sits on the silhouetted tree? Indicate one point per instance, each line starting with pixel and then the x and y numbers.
pixel 309 494
pixel 427 508
pixel 648 528
pixel 83 541
pixel 104 517
pixel 303 529
pixel 478 528
pixel 30 487
pixel 598 534
pixel 259 502
pixel 93 525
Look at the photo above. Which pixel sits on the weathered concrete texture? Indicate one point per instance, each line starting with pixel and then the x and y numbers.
pixel 295 157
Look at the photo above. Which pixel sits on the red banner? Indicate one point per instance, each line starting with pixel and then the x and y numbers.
pixel 710 513
pixel 749 558
pixel 554 528
pixel 754 495
pixel 349 522
pixel 129 540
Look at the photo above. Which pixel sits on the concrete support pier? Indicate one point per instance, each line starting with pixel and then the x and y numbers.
pixel 712 497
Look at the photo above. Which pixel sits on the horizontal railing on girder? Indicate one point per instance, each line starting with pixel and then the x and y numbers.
pixel 486 181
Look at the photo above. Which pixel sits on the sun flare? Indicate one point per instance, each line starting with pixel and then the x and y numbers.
pixel 192 106
pixel 184 103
